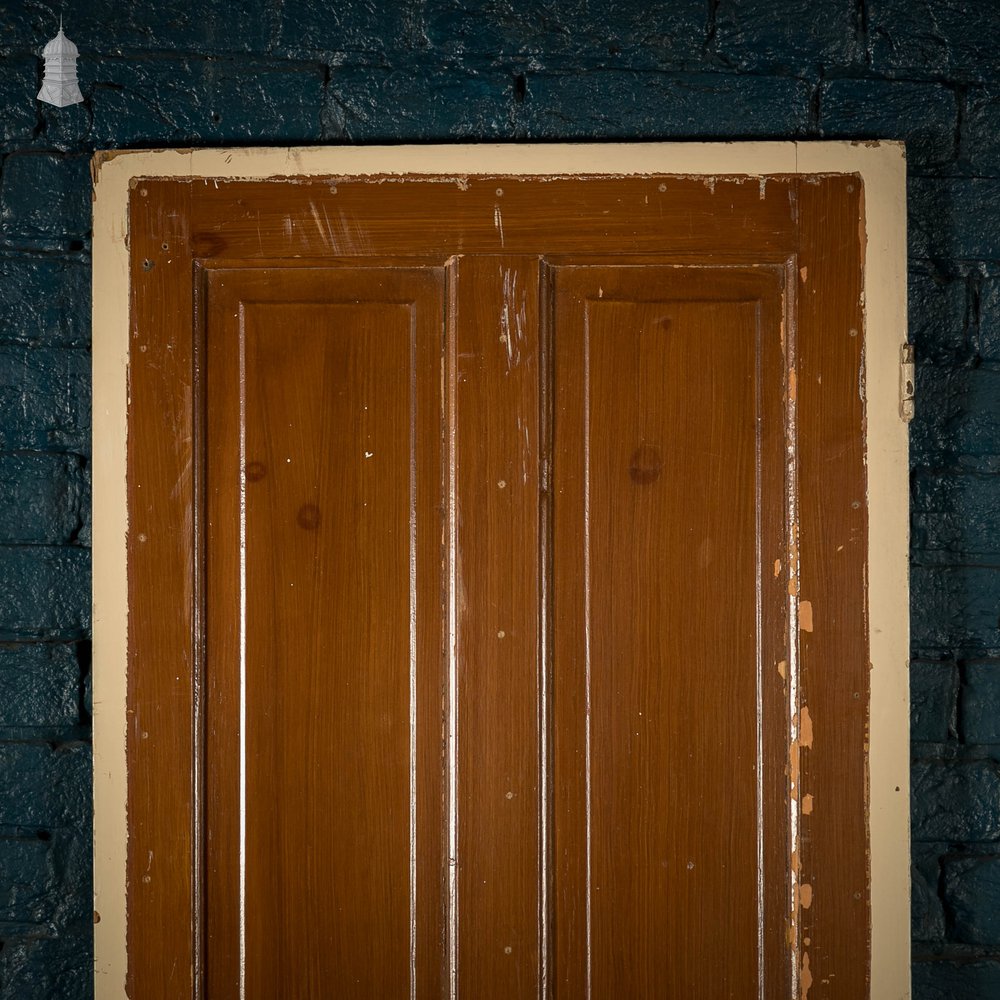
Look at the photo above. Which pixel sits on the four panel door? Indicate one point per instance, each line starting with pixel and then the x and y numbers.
pixel 497 609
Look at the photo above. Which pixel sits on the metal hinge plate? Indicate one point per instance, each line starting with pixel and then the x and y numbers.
pixel 907 377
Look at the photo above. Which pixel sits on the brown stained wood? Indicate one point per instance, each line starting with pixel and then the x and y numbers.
pixel 495 366
pixel 656 473
pixel 323 410
pixel 492 215
pixel 642 407
pixel 163 630
pixel 833 551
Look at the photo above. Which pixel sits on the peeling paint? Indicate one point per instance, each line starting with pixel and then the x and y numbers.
pixel 807 807
pixel 805 728
pixel 806 616
pixel 805 976
pixel 805 895
pixel 783 669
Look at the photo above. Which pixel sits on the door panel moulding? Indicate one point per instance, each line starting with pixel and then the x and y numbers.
pixel 882 169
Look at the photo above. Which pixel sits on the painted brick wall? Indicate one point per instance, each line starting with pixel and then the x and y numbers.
pixel 167 72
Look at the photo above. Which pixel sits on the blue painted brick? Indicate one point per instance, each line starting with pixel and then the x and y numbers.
pixel 44 199
pixel 41 686
pixel 956 39
pixel 41 496
pixel 955 610
pixel 374 104
pixel 18 86
pixel 980 141
pixel 933 700
pixel 972 893
pixel 957 422
pixel 955 515
pixel 306 29
pixel 156 26
pixel 47 592
pixel 938 311
pixel 988 332
pixel 927 919
pixel 570 34
pixel 53 787
pixel 957 801
pixel 48 968
pixel 951 980
pixel 924 114
pixel 621 104
pixel 44 399
pixel 956 218
pixel 44 301
pixel 168 101
pixel 797 35
pixel 26 880
pixel 980 702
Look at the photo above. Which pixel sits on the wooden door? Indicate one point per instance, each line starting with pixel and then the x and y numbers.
pixel 496 574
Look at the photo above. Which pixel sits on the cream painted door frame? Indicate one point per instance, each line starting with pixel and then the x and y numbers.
pixel 882 169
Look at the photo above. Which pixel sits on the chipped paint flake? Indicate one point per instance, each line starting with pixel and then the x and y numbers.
pixel 805 727
pixel 783 669
pixel 805 895
pixel 777 568
pixel 806 616
pixel 807 805
pixel 805 976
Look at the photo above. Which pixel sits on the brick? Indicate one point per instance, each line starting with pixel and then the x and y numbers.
pixel 53 968
pixel 933 700
pixel 955 515
pixel 972 893
pixel 955 801
pixel 957 422
pixel 47 592
pixel 45 301
pixel 798 35
pixel 26 880
pixel 41 497
pixel 938 311
pixel 950 980
pixel 572 33
pixel 954 610
pixel 956 218
pixel 170 101
pixel 623 104
pixel 41 686
pixel 980 143
pixel 52 789
pixel 955 39
pixel 927 920
pixel 18 86
pixel 44 399
pixel 163 25
pixel 44 198
pixel 924 114
pixel 374 104
pixel 988 333
pixel 980 703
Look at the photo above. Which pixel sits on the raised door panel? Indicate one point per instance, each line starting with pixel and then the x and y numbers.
pixel 669 609
pixel 323 776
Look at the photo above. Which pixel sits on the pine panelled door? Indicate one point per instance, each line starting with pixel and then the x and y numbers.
pixel 497 588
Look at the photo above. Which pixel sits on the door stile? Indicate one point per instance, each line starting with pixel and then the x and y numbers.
pixel 496 539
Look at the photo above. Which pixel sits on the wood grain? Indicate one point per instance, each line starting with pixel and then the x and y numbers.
pixel 434 681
